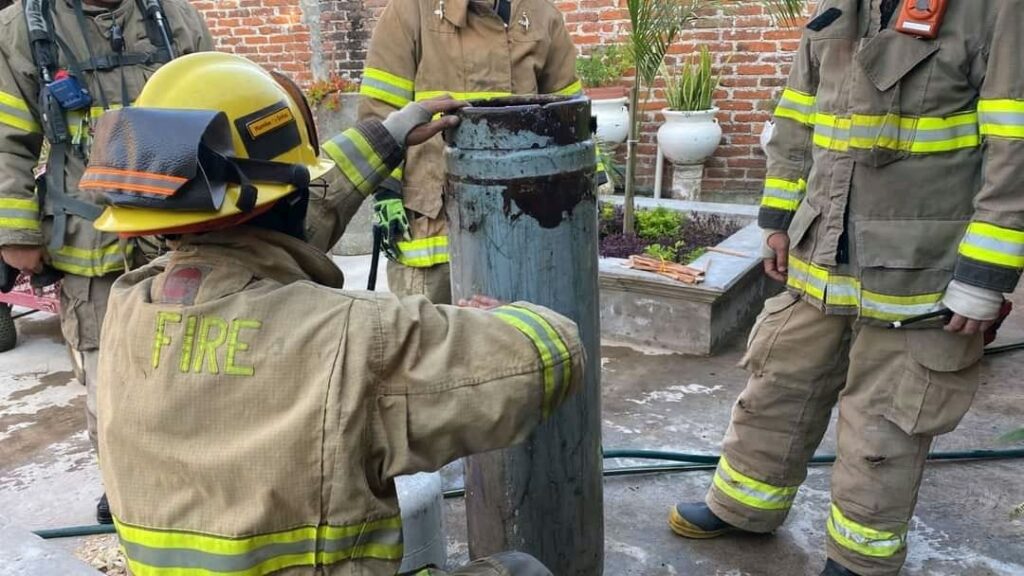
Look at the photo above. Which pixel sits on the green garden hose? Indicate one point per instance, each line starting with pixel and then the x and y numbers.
pixel 684 463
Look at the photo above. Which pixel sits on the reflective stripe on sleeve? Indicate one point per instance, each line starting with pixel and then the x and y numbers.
pixel 356 159
pixel 14 112
pixel 991 244
pixel 1002 118
pixel 750 492
pixel 153 552
pixel 862 539
pixel 796 105
pixel 92 263
pixel 19 214
pixel 387 87
pixel 424 252
pixel 570 90
pixel 783 194
pixel 554 354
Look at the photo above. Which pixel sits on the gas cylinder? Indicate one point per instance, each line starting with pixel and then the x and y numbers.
pixel 522 222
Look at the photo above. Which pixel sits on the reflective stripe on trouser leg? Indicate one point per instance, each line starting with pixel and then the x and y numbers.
pixel 885 428
pixel 797 359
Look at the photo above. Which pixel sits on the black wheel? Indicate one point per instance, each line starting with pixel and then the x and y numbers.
pixel 8 332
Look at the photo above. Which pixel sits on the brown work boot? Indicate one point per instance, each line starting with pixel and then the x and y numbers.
pixel 696 520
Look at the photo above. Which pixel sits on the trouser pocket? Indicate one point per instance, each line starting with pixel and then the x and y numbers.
pixel 765 331
pixel 938 382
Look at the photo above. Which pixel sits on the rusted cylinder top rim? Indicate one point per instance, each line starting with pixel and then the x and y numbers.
pixel 557 120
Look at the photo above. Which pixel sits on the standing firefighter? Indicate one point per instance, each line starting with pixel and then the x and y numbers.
pixel 896 170
pixel 253 416
pixel 63 63
pixel 472 49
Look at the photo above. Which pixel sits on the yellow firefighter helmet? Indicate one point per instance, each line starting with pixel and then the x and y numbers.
pixel 212 140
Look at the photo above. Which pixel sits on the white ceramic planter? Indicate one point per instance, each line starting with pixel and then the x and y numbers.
pixel 689 137
pixel 612 119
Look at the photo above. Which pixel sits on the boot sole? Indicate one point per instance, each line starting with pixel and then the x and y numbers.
pixel 683 527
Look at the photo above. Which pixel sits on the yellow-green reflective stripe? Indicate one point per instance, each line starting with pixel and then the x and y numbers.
pixel 553 361
pixel 783 194
pixel 796 105
pixel 15 113
pixel 919 135
pixel 357 159
pixel 387 87
pixel 424 252
pixel 891 308
pixel 84 262
pixel 993 244
pixel 168 553
pixel 842 291
pixel 1003 118
pixel 753 493
pixel 19 214
pixel 460 95
pixel 76 118
pixel 563 363
pixel 863 539
pixel 570 90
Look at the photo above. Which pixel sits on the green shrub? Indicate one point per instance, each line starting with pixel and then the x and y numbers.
pixel 667 253
pixel 604 66
pixel 658 223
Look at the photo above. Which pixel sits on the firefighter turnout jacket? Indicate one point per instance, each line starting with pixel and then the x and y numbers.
pixel 896 162
pixel 254 416
pixel 85 44
pixel 425 48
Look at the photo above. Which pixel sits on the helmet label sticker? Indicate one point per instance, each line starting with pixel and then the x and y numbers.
pixel 269 123
pixel 270 132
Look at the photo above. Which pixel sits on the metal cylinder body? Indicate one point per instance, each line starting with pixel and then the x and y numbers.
pixel 522 217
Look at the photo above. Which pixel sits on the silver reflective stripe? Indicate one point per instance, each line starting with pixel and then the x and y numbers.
pixel 805 109
pixel 105 260
pixel 383 537
pixel 989 243
pixel 898 309
pixel 843 290
pixel 428 252
pixel 349 149
pixel 893 131
pixel 557 359
pixel 887 545
pixel 1004 118
pixel 782 193
pixel 834 132
pixel 21 214
pixel 17 113
pixel 386 87
pixel 186 558
pixel 753 493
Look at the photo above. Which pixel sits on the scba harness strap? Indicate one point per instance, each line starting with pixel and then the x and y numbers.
pixel 45 45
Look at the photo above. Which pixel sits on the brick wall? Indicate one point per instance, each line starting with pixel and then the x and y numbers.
pixel 315 38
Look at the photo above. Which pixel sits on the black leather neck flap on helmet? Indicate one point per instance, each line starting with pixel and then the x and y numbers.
pixel 176 160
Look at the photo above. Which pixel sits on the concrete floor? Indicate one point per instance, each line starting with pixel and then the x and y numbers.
pixel 48 477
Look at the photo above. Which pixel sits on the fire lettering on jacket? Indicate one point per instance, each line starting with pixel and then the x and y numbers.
pixel 201 341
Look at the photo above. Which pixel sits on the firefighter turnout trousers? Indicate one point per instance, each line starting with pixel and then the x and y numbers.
pixel 896 391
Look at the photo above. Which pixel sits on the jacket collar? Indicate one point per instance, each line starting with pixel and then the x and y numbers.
pixel 457 11
pixel 265 253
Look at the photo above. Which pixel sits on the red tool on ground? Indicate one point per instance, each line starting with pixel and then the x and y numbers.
pixel 38 293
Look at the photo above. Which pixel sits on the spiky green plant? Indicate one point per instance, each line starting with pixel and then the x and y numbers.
pixel 693 84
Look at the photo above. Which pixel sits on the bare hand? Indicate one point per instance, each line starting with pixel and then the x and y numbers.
pixel 442 105
pixel 778 268
pixel 28 259
pixel 481 302
pixel 967 327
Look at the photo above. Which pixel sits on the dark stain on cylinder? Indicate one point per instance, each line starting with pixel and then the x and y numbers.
pixel 548 199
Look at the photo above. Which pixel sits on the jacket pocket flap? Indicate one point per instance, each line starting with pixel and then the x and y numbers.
pixel 802 220
pixel 908 244
pixel 891 55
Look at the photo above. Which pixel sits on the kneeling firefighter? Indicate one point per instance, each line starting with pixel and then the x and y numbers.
pixel 253 415
pixel 893 194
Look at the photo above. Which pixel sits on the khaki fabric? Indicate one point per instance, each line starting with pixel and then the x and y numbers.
pixel 435 282
pixel 896 390
pixel 425 48
pixel 890 162
pixel 86 252
pixel 505 564
pixel 246 397
pixel 86 368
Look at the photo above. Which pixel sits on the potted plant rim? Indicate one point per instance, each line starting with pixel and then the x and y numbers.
pixel 600 73
pixel 691 134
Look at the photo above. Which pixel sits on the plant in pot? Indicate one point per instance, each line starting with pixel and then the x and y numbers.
pixel 690 134
pixel 600 73
pixel 654 26
pixel 335 104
